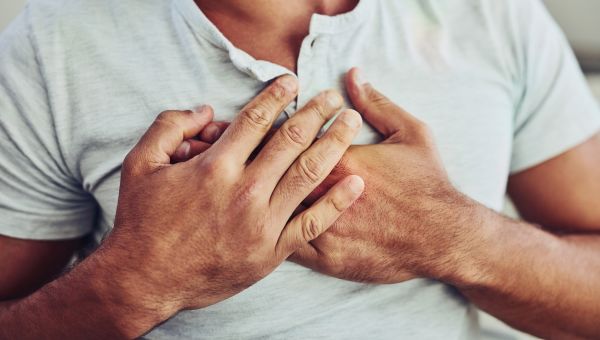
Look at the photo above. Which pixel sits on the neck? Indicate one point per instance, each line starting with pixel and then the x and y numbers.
pixel 270 30
pixel 274 12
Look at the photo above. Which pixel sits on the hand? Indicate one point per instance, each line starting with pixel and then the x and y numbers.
pixel 191 234
pixel 407 224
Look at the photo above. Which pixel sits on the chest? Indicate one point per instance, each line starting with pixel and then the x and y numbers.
pixel 467 105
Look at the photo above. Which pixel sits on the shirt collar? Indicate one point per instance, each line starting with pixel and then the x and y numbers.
pixel 263 70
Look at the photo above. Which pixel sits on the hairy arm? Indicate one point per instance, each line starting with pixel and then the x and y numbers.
pixel 82 300
pixel 543 280
pixel 81 304
pixel 87 304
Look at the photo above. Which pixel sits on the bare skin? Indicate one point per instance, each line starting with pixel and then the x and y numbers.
pixel 30 264
pixel 217 243
pixel 534 280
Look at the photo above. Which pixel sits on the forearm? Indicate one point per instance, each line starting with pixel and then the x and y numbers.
pixel 538 282
pixel 90 302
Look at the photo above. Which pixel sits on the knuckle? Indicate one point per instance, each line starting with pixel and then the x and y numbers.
pixel 218 166
pixel 376 98
pixel 257 116
pixel 210 167
pixel 383 105
pixel 129 166
pixel 171 118
pixel 379 100
pixel 422 131
pixel 168 115
pixel 327 103
pixel 310 169
pixel 134 163
pixel 340 137
pixel 397 137
pixel 311 227
pixel 277 92
pixel 320 111
pixel 294 134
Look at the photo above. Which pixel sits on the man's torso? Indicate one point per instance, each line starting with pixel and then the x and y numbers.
pixel 121 63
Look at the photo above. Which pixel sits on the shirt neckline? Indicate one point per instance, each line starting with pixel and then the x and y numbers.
pixel 263 70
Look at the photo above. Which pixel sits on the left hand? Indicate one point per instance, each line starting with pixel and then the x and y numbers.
pixel 410 221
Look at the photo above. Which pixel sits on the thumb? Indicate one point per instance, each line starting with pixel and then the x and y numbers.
pixel 385 116
pixel 213 131
pixel 165 136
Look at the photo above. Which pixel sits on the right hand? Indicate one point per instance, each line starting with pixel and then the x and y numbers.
pixel 191 234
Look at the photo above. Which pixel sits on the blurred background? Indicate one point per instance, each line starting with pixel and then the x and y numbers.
pixel 581 21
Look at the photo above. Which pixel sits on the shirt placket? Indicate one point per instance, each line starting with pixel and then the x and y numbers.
pixel 307 61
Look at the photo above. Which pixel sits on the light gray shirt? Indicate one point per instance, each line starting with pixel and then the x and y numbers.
pixel 81 80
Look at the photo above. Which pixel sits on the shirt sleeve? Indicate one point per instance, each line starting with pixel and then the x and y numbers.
pixel 39 198
pixel 556 110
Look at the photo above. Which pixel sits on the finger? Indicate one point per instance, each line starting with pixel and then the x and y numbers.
pixel 301 208
pixel 165 135
pixel 189 149
pixel 385 116
pixel 294 136
pixel 249 128
pixel 315 164
pixel 320 216
pixel 213 131
pixel 263 143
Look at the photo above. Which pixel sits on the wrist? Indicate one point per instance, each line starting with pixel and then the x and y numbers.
pixel 494 246
pixel 92 301
pixel 470 237
pixel 132 306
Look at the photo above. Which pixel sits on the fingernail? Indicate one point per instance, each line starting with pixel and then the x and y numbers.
pixel 202 109
pixel 289 83
pixel 183 150
pixel 359 77
pixel 351 118
pixel 356 184
pixel 212 133
pixel 334 99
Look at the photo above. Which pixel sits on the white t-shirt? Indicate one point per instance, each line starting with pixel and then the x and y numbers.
pixel 81 80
